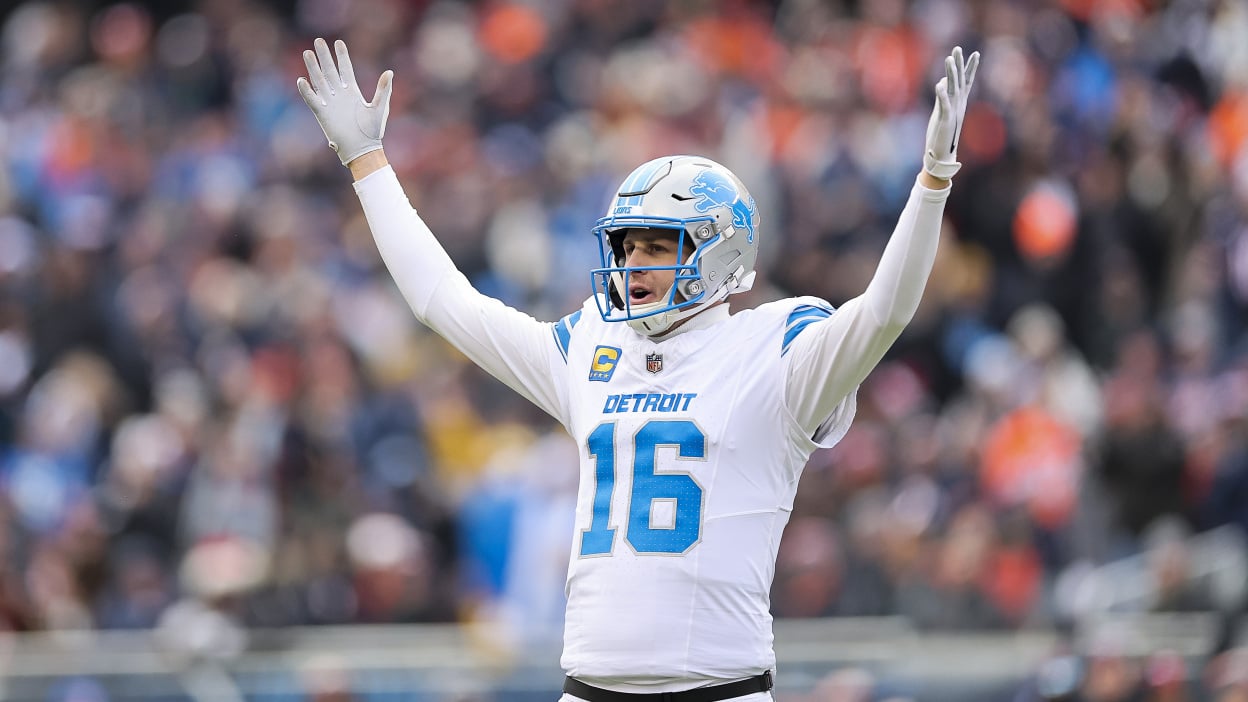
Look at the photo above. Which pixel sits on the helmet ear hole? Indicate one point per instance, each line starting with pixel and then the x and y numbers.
pixel 616 239
pixel 615 286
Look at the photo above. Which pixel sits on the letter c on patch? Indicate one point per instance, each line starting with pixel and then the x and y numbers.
pixel 603 363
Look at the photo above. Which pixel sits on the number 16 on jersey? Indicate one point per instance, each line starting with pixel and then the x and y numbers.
pixel 665 508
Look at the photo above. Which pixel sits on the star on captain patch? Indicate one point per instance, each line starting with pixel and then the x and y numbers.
pixel 654 362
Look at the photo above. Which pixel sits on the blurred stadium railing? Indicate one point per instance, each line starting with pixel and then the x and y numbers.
pixel 1209 569
pixel 443 663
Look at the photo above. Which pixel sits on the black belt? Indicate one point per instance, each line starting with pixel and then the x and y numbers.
pixel 714 693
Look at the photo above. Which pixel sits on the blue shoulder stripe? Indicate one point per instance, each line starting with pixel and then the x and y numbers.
pixel 562 332
pixel 801 317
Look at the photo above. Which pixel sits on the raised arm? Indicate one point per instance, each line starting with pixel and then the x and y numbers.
pixel 830 358
pixel 510 345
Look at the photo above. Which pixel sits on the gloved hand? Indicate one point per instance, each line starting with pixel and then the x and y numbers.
pixel 354 127
pixel 945 126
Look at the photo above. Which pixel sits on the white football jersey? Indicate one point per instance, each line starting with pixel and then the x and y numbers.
pixel 690 460
pixel 691 447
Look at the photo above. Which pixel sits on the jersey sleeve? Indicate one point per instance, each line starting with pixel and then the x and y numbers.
pixel 522 352
pixel 829 352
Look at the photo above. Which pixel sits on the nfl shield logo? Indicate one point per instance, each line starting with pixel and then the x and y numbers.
pixel 654 362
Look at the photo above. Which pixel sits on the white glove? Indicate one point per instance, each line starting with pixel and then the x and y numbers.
pixel 354 127
pixel 941 157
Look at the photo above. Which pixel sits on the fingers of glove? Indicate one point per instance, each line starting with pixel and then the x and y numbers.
pixel 972 65
pixel 942 96
pixel 959 68
pixel 951 76
pixel 332 79
pixel 345 69
pixel 381 100
pixel 385 86
pixel 315 76
pixel 309 96
pixel 945 106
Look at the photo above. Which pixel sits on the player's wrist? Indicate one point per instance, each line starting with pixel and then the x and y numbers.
pixel 931 182
pixel 367 163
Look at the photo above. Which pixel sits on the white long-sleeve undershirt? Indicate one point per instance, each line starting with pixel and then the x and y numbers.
pixel 829 359
pixel 508 344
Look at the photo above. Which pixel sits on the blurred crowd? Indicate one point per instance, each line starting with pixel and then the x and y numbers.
pixel 211 395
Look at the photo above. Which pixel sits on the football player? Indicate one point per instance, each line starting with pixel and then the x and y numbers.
pixel 694 424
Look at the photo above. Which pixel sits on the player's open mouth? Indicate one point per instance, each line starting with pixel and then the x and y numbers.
pixel 639 295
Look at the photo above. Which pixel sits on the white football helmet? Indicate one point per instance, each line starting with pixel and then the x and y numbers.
pixel 704 204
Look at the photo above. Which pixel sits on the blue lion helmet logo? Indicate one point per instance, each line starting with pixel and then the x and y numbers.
pixel 715 190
